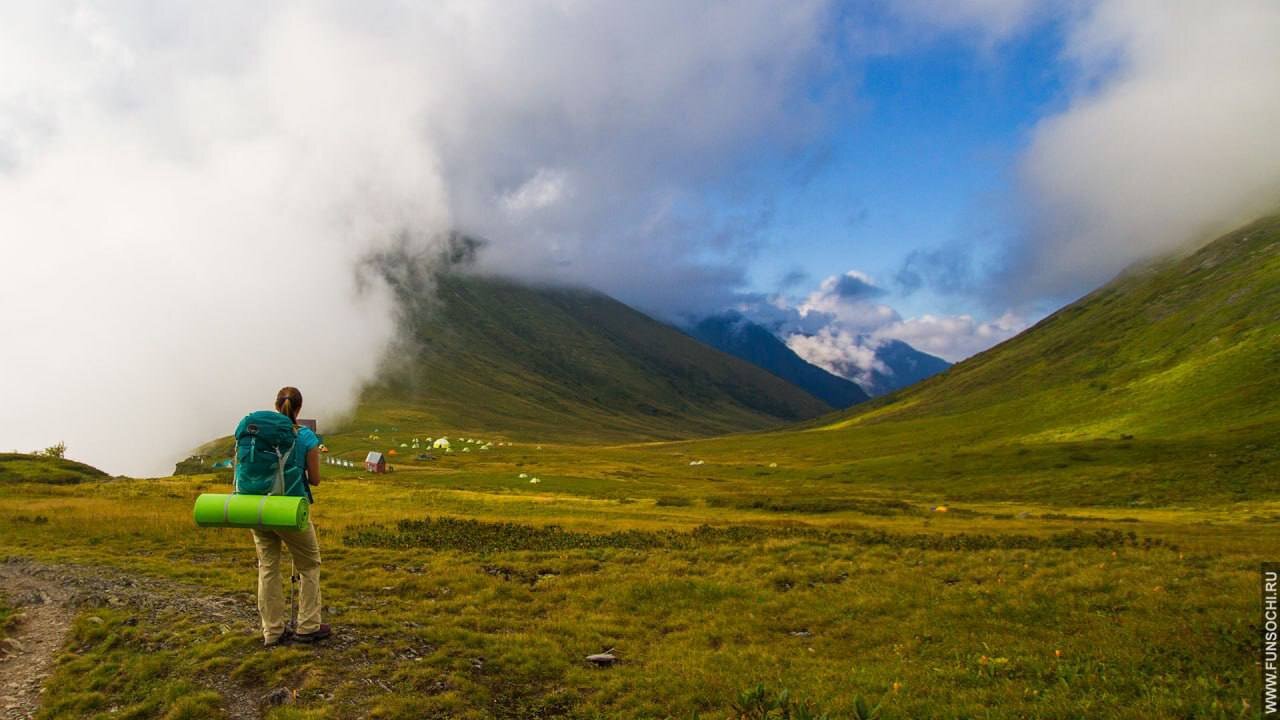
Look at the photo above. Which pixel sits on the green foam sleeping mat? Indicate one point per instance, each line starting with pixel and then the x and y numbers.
pixel 264 512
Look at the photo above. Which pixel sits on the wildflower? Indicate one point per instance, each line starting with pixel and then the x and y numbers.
pixel 897 686
pixel 1057 653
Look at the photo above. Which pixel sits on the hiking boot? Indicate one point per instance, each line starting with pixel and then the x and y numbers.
pixel 285 637
pixel 318 634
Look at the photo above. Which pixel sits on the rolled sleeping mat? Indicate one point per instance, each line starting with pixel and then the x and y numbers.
pixel 263 512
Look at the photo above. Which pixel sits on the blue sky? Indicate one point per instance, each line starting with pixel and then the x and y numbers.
pixel 922 159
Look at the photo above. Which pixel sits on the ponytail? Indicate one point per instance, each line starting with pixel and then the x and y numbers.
pixel 289 402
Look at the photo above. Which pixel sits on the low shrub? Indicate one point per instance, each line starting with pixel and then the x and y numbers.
pixel 446 533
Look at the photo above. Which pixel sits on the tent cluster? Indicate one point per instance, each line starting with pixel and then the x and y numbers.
pixel 376 461
pixel 339 462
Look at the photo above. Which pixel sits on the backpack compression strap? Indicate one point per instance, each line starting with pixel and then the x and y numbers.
pixel 277 488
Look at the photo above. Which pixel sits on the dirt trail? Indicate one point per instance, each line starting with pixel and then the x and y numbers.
pixel 27 655
pixel 49 596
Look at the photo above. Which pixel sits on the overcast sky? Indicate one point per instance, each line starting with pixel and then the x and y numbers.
pixel 170 170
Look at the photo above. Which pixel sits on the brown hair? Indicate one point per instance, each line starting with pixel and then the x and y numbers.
pixel 289 402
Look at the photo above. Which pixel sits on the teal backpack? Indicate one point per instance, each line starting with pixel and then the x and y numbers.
pixel 264 454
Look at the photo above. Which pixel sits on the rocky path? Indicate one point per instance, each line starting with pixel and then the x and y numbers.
pixel 48 597
pixel 26 657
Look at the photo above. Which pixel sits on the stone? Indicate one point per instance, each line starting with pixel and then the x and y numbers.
pixel 603 659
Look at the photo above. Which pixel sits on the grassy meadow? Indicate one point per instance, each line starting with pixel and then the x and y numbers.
pixel 470 592
pixel 1069 525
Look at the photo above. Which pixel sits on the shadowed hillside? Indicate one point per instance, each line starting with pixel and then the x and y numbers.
pixel 905 366
pixel 490 354
pixel 749 341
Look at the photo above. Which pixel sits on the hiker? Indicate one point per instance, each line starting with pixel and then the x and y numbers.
pixel 302 544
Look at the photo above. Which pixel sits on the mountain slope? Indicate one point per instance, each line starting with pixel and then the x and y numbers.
pixel 734 334
pixel 904 366
pixel 1184 345
pixel 488 354
pixel 1161 386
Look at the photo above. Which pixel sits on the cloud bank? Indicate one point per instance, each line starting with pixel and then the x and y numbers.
pixel 1164 139
pixel 1169 140
pixel 187 189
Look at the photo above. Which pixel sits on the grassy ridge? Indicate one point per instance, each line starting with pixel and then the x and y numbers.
pixel 1185 346
pixel 22 467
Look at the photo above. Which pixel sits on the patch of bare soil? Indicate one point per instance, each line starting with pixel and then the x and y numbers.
pixel 48 597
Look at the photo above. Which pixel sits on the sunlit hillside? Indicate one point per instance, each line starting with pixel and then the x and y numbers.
pixel 1162 386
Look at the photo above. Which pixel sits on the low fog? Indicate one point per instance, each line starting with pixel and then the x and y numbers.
pixel 188 190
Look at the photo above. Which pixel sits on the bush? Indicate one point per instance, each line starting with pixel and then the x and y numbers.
pixel 674 501
pixel 446 533
pixel 58 451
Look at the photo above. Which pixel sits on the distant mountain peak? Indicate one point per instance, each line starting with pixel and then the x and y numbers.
pixel 877 366
pixel 733 333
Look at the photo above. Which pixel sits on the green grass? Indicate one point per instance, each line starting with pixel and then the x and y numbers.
pixel 122 668
pixel 474 594
pixel 21 467
pixel 8 617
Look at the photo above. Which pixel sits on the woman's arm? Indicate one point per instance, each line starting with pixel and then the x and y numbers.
pixel 313 466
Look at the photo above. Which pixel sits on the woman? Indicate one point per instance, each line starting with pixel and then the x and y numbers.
pixel 301 543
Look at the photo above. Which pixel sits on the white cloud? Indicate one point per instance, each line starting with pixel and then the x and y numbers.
pixel 847 300
pixel 544 189
pixel 1169 139
pixel 840 352
pixel 953 337
pixel 840 327
pixel 187 188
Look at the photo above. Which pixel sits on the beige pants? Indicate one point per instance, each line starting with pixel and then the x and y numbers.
pixel 306 560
